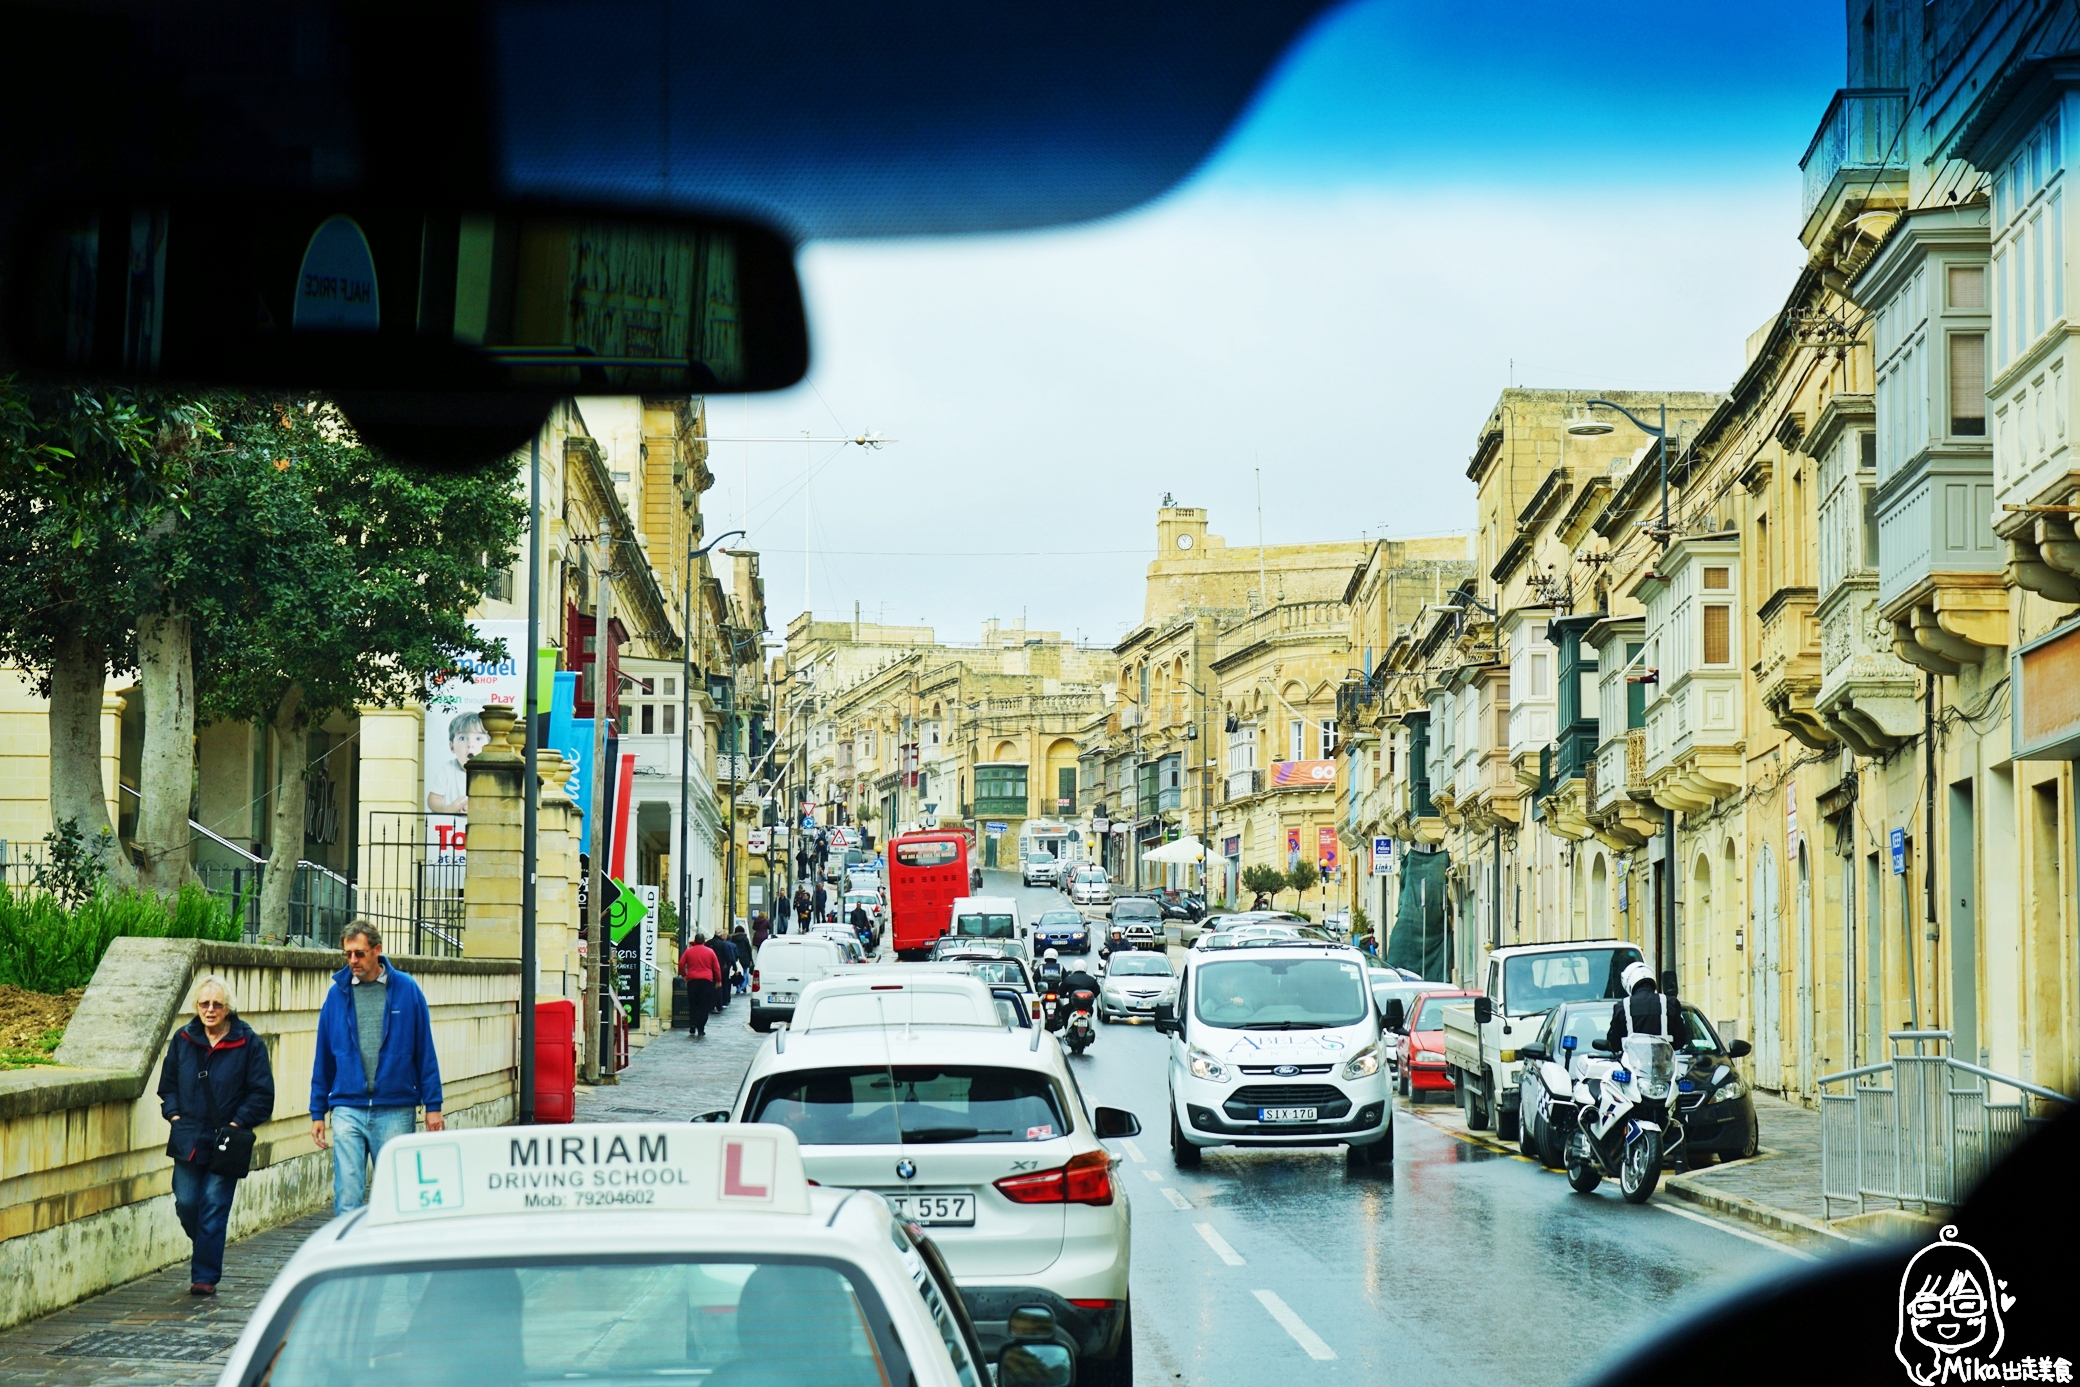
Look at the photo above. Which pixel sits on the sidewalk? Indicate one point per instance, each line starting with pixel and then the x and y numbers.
pixel 1780 1187
pixel 152 1330
pixel 673 1078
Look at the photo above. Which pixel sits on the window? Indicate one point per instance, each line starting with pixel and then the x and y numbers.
pixel 1718 637
pixel 880 1105
pixel 1296 747
pixel 1867 450
pixel 998 787
pixel 649 717
pixel 1718 579
pixel 671 718
pixel 1328 735
pixel 1968 384
pixel 1242 749
pixel 1968 287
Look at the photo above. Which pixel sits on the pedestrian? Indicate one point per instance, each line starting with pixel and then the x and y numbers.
pixel 726 960
pixel 820 901
pixel 802 904
pixel 216 1078
pixel 375 1064
pixel 778 924
pixel 699 966
pixel 760 932
pixel 742 943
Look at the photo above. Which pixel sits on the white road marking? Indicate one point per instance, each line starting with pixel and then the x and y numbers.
pixel 1154 1174
pixel 1709 1222
pixel 1176 1199
pixel 1134 1153
pixel 1295 1326
pixel 1219 1245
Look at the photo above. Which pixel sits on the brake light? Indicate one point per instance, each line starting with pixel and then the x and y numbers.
pixel 754 980
pixel 1094 1304
pixel 1087 1179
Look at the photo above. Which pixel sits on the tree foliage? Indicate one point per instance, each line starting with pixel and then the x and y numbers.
pixel 1263 877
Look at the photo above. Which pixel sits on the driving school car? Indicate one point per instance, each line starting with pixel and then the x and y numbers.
pixel 615 1252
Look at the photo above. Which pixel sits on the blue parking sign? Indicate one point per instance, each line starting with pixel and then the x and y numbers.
pixel 1899 852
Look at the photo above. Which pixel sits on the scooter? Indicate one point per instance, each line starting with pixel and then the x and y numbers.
pixel 1622 1124
pixel 1077 1032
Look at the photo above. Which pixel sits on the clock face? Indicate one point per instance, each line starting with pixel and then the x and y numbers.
pixel 1184 541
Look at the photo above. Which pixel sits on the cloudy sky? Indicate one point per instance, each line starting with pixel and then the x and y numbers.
pixel 1605 194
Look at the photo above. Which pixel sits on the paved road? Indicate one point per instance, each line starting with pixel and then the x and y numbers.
pixel 1464 1263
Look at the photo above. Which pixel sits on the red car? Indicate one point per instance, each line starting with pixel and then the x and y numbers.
pixel 1420 1048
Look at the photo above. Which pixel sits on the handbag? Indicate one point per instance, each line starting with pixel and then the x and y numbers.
pixel 231 1152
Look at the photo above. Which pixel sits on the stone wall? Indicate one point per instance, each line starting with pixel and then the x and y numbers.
pixel 85 1184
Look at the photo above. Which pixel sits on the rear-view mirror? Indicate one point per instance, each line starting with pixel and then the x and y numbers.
pixel 441 330
pixel 1395 1016
pixel 1531 1052
pixel 1036 1365
pixel 1740 1049
pixel 1483 1011
pixel 717 1115
pixel 1117 1122
pixel 1166 1018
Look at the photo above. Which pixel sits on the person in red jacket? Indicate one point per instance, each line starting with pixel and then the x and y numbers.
pixel 702 971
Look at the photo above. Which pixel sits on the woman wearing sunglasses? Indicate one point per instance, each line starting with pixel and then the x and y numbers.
pixel 215 1088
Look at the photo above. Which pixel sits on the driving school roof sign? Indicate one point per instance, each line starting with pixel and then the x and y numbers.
pixel 634 1167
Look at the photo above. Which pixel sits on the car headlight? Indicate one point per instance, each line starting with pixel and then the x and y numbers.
pixel 1366 1061
pixel 1725 1093
pixel 1205 1066
pixel 1428 1058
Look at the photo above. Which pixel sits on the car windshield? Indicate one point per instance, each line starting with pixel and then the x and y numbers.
pixel 738 1318
pixel 1587 1024
pixel 1430 1016
pixel 1061 919
pixel 927 854
pixel 1533 983
pixel 1281 993
pixel 1132 965
pixel 1008 971
pixel 876 1105
pixel 1137 910
pixel 979 925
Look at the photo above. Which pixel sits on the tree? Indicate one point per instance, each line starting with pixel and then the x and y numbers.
pixel 1303 878
pixel 1263 878
pixel 93 478
pixel 354 577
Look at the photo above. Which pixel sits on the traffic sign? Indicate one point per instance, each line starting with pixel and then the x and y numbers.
pixel 1383 857
pixel 1899 852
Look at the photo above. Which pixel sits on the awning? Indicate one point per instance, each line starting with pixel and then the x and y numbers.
pixel 1182 851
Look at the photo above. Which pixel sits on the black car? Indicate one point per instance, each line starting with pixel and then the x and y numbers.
pixel 1712 1100
pixel 1137 923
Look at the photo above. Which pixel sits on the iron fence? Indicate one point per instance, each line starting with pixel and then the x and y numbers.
pixel 1918 1130
pixel 412 885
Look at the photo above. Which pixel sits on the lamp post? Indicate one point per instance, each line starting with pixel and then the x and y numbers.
pixel 1585 425
pixel 692 638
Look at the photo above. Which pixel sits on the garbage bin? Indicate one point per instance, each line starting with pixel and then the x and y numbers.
pixel 556 1061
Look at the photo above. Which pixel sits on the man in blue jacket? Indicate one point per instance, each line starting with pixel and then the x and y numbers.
pixel 375 1064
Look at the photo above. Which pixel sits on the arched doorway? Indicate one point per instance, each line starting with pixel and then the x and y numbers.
pixel 1696 979
pixel 1599 899
pixel 1767 912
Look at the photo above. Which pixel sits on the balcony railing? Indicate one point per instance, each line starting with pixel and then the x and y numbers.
pixel 1242 784
pixel 1014 805
pixel 1636 763
pixel 1861 130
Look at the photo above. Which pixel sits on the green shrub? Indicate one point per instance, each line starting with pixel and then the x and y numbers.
pixel 45 947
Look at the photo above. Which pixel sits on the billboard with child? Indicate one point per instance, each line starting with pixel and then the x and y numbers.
pixel 455 732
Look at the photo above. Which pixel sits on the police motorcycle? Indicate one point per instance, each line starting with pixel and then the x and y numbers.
pixel 1622 1122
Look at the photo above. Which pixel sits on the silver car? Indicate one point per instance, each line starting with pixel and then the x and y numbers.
pixel 1135 985
pixel 1089 886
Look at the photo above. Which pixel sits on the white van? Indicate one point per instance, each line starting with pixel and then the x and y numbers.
pixel 1277 1044
pixel 786 964
pixel 988 917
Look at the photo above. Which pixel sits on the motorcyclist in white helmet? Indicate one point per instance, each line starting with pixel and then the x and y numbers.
pixel 1051 967
pixel 1645 1010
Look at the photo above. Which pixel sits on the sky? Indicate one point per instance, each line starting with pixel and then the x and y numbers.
pixel 1400 226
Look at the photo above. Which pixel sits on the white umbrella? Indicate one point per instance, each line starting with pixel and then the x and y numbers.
pixel 1182 851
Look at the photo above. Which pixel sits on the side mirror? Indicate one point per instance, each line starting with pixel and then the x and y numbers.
pixel 1603 1046
pixel 1118 1122
pixel 718 1115
pixel 1396 1016
pixel 1166 1019
pixel 1036 1365
pixel 1531 1052
pixel 1483 1011
pixel 1740 1049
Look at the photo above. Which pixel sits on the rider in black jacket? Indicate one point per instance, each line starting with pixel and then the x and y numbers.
pixel 1073 982
pixel 1651 1011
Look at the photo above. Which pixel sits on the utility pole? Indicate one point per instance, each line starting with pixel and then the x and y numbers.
pixel 531 786
pixel 597 1010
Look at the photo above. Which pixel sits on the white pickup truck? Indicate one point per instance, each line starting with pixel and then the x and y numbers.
pixel 1525 982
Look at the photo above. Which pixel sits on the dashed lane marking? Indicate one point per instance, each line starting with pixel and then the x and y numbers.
pixel 1176 1197
pixel 1154 1174
pixel 1134 1153
pixel 1666 1206
pixel 1308 1340
pixel 1219 1245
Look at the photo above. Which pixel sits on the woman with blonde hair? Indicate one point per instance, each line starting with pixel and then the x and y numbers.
pixel 215 1088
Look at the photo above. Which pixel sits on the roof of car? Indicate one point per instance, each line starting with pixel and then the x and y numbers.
pixel 917 1044
pixel 895 995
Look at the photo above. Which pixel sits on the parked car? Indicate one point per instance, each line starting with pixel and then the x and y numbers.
pixel 1390 986
pixel 1065 931
pixel 1420 1059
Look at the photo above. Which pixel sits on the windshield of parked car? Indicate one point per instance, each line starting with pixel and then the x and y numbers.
pixel 1133 965
pixel 1281 993
pixel 878 1105
pixel 1532 983
pixel 980 925
pixel 805 1320
pixel 1430 1016
pixel 1587 1024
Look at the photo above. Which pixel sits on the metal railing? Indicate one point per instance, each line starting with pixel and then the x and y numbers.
pixel 1918 1130
pixel 1861 130
pixel 412 887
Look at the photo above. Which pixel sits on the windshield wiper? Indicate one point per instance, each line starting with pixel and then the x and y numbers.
pixel 1285 1026
pixel 936 1134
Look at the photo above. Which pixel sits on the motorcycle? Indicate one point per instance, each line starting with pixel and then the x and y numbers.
pixel 1077 1032
pixel 1622 1124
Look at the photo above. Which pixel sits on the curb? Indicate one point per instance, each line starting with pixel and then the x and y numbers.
pixel 1685 1188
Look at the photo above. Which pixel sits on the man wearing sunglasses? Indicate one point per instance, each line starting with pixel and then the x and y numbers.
pixel 375 1064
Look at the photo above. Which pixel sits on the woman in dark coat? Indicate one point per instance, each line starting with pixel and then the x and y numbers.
pixel 216 1075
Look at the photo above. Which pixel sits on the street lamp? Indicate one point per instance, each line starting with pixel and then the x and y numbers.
pixel 686 644
pixel 1586 425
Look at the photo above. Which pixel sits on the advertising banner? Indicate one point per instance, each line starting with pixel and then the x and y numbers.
pixel 455 732
pixel 1303 775
pixel 1383 857
pixel 1325 847
pixel 1292 848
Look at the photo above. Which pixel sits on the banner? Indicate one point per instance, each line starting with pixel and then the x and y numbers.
pixel 1325 846
pixel 454 732
pixel 1303 775
pixel 1292 848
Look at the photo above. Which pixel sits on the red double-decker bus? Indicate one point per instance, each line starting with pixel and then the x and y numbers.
pixel 927 873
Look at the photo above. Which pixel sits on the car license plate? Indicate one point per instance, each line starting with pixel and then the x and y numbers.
pixel 786 997
pixel 932 1208
pixel 1285 1114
